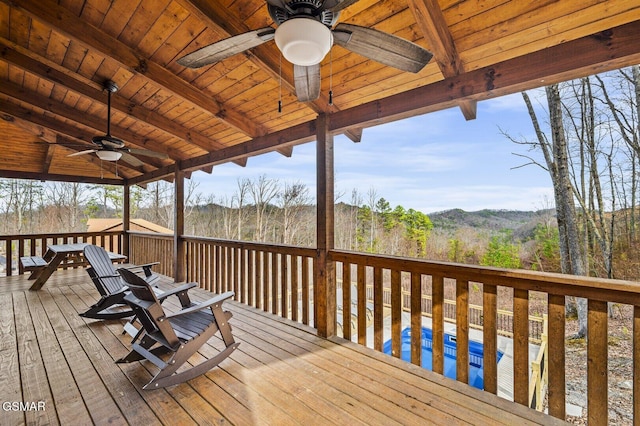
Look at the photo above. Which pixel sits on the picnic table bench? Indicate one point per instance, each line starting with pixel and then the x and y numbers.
pixel 58 255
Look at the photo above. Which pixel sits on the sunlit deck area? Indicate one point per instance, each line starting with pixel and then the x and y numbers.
pixel 282 372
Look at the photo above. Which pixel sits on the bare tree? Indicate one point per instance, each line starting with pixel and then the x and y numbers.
pixel 556 156
pixel 293 201
pixel 240 199
pixel 263 191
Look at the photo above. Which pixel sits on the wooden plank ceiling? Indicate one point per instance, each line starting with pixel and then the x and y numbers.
pixel 56 56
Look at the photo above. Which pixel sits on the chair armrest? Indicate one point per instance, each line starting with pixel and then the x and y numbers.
pixel 207 303
pixel 109 276
pixel 145 267
pixel 176 290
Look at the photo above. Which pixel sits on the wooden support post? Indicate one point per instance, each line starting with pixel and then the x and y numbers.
pixel 126 220
pixel 325 277
pixel 178 228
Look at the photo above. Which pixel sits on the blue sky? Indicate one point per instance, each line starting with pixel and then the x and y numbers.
pixel 430 163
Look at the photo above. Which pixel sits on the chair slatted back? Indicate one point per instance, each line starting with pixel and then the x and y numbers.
pixel 148 307
pixel 102 271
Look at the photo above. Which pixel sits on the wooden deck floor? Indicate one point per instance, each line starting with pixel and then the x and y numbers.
pixel 281 374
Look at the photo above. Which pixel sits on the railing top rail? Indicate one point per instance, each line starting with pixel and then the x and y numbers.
pixel 57 235
pixel 278 248
pixel 610 290
pixel 150 234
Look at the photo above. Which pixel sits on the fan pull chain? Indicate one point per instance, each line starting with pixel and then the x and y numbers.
pixel 330 77
pixel 280 87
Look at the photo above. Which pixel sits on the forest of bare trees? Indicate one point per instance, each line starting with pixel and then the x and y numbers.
pixel 585 134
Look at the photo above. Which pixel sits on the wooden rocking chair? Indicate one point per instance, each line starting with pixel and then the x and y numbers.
pixel 175 336
pixel 113 289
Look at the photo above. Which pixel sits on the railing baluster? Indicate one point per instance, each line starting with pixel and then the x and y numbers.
pixel 636 362
pixel 415 302
pixel 378 318
pixel 557 380
pixel 489 338
pixel 597 346
pixel 362 304
pixel 396 313
pixel 462 331
pixel 521 346
pixel 305 289
pixel 295 289
pixel 274 283
pixel 346 300
pixel 437 293
pixel 284 285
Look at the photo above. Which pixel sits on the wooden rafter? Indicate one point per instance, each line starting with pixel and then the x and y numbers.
pixel 97 124
pixel 434 29
pixel 72 26
pixel 600 52
pixel 268 58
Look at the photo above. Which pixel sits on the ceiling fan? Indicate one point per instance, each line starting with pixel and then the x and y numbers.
pixel 110 148
pixel 304 35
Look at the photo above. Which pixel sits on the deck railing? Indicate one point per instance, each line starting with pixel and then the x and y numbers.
pixel 13 247
pixel 274 278
pixel 403 274
pixel 278 279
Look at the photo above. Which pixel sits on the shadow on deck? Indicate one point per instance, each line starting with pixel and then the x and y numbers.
pixel 60 368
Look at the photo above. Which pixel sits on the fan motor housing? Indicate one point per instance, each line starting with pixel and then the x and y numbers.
pixel 308 8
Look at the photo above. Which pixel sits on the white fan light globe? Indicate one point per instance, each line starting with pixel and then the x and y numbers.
pixel 303 41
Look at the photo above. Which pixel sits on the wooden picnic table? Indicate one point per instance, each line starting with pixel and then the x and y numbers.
pixel 56 254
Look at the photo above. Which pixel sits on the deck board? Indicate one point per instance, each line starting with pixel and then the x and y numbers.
pixel 281 374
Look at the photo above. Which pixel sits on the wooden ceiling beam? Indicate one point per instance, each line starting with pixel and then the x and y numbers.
pixel 604 51
pixel 64 21
pixel 435 31
pixel 220 19
pixel 17 114
pixel 52 72
pixel 98 125
pixel 10 174
pixel 51 150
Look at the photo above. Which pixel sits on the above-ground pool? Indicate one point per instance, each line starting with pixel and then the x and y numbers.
pixel 476 355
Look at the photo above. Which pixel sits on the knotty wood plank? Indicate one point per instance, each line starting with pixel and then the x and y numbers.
pixel 597 355
pixel 11 390
pixel 521 346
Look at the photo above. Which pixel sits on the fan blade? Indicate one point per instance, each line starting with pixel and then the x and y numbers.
pixel 382 47
pixel 223 49
pixel 88 151
pixel 307 81
pixel 146 153
pixel 130 159
pixel 338 5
